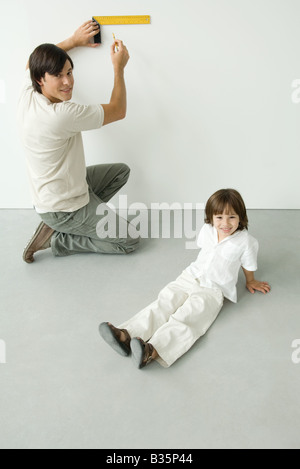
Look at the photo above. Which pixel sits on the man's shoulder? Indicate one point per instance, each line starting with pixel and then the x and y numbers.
pixel 80 117
pixel 26 87
pixel 71 109
pixel 27 83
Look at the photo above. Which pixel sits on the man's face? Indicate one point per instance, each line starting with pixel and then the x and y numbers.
pixel 58 88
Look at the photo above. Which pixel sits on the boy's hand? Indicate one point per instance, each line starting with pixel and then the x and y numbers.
pixel 263 287
pixel 83 35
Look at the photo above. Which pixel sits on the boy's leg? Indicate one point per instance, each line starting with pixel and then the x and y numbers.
pixel 187 325
pixel 150 319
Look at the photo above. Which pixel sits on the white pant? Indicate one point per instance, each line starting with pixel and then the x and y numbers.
pixel 183 312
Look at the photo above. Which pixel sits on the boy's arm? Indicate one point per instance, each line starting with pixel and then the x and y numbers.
pixel 81 37
pixel 253 284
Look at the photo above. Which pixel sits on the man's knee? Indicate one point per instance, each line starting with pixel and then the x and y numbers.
pixel 130 245
pixel 124 171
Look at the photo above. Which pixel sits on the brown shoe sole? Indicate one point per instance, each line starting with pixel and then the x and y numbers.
pixel 26 258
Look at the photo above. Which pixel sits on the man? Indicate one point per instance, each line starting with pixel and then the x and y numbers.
pixel 65 193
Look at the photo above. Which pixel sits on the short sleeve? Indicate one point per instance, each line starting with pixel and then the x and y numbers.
pixel 79 118
pixel 249 256
pixel 202 236
pixel 27 84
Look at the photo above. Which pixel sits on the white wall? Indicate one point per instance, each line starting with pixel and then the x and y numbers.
pixel 209 92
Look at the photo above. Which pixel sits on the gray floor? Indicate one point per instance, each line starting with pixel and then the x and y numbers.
pixel 62 387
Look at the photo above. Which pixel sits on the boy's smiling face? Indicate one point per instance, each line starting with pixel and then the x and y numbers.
pixel 226 223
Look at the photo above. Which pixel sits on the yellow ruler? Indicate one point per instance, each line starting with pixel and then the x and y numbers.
pixel 141 19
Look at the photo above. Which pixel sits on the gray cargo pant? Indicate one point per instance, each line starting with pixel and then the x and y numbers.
pixel 84 230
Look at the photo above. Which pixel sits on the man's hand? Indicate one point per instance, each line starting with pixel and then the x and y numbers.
pixel 83 35
pixel 119 55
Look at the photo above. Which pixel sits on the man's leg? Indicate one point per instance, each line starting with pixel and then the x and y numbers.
pixel 86 229
pixel 105 180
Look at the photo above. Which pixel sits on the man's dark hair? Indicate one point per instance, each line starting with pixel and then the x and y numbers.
pixel 46 58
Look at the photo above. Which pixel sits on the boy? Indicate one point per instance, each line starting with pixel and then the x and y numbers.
pixel 186 308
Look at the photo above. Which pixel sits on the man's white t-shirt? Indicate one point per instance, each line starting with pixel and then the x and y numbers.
pixel 51 134
pixel 218 264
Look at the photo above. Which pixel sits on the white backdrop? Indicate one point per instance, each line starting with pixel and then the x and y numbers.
pixel 209 96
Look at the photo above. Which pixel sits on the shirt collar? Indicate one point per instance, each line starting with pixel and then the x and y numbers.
pixel 216 240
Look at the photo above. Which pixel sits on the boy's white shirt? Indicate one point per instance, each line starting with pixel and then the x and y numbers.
pixel 51 134
pixel 218 264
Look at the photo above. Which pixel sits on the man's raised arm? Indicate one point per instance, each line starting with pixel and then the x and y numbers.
pixel 116 109
pixel 81 37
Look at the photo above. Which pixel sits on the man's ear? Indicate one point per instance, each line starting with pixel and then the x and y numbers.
pixel 40 82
